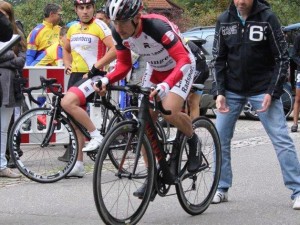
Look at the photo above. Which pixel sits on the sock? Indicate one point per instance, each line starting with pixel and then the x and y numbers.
pixel 79 163
pixel 95 133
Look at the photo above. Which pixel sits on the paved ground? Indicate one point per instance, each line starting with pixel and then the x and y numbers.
pixel 257 196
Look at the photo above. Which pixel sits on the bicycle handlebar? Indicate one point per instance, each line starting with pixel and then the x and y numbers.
pixel 135 89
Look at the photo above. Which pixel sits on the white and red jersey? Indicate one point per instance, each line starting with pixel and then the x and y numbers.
pixel 161 45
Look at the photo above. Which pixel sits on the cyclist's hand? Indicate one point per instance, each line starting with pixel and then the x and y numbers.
pixel 161 90
pixel 85 76
pixel 95 72
pixel 68 70
pixel 266 103
pixel 101 90
pixel 221 104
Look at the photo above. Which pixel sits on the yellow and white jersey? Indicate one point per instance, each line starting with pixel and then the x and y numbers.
pixel 87 45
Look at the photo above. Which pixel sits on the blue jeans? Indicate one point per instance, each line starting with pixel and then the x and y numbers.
pixel 276 127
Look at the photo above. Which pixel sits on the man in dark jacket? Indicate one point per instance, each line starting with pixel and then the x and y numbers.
pixel 5 27
pixel 251 64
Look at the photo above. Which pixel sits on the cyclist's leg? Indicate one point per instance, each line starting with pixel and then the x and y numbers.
pixel 72 103
pixel 193 102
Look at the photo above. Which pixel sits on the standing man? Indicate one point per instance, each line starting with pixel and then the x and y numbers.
pixel 101 15
pixel 296 57
pixel 44 34
pixel 88 48
pixel 251 64
pixel 53 55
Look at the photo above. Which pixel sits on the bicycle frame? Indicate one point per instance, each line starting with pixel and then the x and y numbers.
pixel 146 126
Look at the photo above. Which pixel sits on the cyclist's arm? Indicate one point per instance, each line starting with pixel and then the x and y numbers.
pixel 67 57
pixel 31 47
pixel 183 63
pixel 109 56
pixel 122 67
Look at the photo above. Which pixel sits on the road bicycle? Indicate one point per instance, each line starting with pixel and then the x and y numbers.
pixel 287 103
pixel 115 181
pixel 43 133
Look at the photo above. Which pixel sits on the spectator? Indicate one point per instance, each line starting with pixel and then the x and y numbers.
pixel 44 34
pixel 88 42
pixel 101 15
pixel 251 64
pixel 5 27
pixel 53 55
pixel 10 63
pixel 296 57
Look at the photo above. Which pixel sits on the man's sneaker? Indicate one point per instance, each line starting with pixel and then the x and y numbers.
pixel 194 157
pixel 220 197
pixel 141 190
pixel 66 156
pixel 296 202
pixel 77 171
pixel 294 128
pixel 9 173
pixel 93 144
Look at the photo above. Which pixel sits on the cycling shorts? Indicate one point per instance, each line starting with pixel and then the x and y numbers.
pixel 74 78
pixel 181 88
pixel 84 89
pixel 298 81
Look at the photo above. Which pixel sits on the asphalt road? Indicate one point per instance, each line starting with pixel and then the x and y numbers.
pixel 258 195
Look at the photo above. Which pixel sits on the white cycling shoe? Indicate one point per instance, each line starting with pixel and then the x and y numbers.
pixel 93 144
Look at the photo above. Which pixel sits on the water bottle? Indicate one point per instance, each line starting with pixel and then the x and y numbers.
pixel 41 99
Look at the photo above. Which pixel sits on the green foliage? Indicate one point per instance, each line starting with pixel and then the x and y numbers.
pixel 196 12
pixel 30 12
pixel 205 12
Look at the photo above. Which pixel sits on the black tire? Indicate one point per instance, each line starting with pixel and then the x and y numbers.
pixel 113 187
pixel 40 163
pixel 195 192
pixel 287 103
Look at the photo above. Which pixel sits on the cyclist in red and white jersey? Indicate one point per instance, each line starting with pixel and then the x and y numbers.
pixel 170 64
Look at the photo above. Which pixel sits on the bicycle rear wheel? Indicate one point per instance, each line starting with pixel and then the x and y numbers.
pixel 113 187
pixel 195 191
pixel 39 162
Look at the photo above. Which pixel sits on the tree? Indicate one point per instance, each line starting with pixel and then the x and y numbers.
pixel 30 12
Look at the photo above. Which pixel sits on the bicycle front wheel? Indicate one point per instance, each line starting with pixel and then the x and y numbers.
pixel 37 140
pixel 113 187
pixel 195 191
pixel 131 113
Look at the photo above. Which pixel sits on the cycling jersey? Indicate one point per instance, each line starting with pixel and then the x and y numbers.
pixel 87 45
pixel 40 38
pixel 52 56
pixel 160 43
